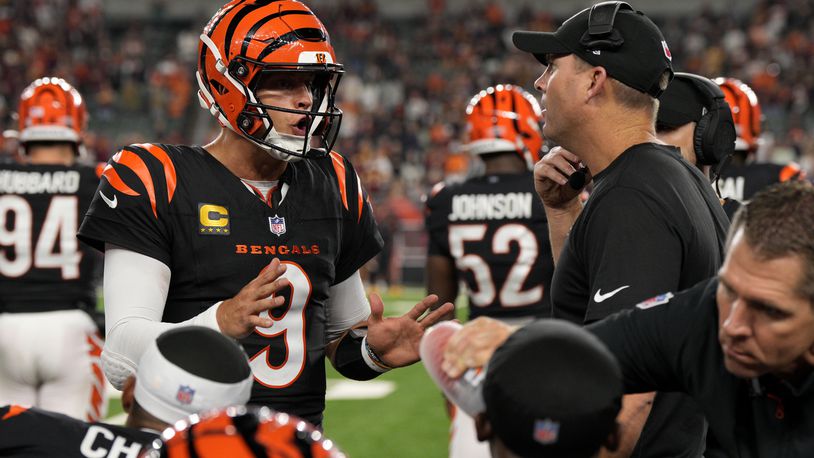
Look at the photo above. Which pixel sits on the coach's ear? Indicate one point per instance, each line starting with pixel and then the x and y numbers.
pixel 483 427
pixel 128 395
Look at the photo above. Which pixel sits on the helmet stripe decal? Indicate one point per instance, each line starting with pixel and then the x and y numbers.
pixel 237 19
pixel 264 21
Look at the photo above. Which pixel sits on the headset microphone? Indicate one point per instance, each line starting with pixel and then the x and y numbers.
pixel 577 179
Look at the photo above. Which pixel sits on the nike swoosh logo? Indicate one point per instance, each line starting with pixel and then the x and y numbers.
pixel 110 202
pixel 599 297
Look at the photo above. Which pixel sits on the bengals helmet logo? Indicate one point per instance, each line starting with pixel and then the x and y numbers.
pixel 321 58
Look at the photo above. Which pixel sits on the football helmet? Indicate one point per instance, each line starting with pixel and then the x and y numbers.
pixel 745 112
pixel 505 118
pixel 247 41
pixel 242 432
pixel 51 110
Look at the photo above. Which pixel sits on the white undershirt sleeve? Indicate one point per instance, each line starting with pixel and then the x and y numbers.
pixel 347 305
pixel 135 292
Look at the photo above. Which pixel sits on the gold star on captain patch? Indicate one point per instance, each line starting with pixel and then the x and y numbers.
pixel 210 229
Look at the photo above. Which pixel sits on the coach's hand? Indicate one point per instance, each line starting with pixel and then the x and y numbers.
pixel 396 339
pixel 473 345
pixel 238 316
pixel 551 179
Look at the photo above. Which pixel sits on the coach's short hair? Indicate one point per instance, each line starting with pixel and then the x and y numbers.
pixel 779 222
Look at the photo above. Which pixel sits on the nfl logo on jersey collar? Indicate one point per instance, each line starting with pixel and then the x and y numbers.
pixel 277 225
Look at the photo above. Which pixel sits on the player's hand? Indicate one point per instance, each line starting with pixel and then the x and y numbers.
pixel 396 339
pixel 473 345
pixel 551 178
pixel 238 316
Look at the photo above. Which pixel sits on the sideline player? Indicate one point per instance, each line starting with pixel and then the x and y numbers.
pixel 694 116
pixel 49 344
pixel 490 231
pixel 185 371
pixel 744 176
pixel 266 214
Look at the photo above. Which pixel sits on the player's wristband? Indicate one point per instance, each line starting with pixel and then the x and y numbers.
pixel 372 359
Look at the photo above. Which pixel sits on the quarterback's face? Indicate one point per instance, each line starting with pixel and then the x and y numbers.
pixel 287 90
pixel 764 326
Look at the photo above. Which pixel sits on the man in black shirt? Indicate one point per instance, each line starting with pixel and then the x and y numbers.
pixel 652 223
pixel 186 370
pixel 695 116
pixel 741 344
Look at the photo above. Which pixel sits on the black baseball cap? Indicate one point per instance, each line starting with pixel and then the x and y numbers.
pixel 552 389
pixel 625 42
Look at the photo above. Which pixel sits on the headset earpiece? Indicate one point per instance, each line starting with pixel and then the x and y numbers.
pixel 714 135
pixel 600 33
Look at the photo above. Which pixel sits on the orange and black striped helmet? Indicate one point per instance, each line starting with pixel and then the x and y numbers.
pixel 505 118
pixel 247 39
pixel 51 110
pixel 242 432
pixel 745 112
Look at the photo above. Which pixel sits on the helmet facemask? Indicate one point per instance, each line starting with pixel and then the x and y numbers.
pixel 320 121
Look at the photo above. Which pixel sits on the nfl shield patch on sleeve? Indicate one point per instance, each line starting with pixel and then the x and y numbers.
pixel 654 301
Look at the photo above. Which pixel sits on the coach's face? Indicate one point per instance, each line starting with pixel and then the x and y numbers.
pixel 765 326
pixel 559 85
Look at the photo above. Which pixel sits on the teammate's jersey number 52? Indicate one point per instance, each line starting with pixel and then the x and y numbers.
pixel 511 293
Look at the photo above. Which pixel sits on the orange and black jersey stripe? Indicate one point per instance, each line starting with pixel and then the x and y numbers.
pixel 33 432
pixel 181 206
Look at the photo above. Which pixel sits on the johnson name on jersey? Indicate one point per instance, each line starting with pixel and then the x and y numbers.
pixel 494 227
pixel 40 210
pixel 181 206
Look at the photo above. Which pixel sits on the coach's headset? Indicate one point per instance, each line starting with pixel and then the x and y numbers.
pixel 714 136
pixel 600 33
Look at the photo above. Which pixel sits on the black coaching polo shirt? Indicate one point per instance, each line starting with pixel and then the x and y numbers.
pixel 671 344
pixel 652 224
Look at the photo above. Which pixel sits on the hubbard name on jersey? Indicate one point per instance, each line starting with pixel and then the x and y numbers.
pixel 181 206
pixel 494 227
pixel 40 210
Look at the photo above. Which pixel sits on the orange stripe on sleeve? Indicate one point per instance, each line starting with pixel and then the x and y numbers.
pixel 136 164
pixel 169 167
pixel 100 168
pixel 13 411
pixel 339 167
pixel 110 174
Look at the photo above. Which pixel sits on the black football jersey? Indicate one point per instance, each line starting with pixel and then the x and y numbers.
pixel 494 227
pixel 33 432
pixel 741 182
pixel 181 206
pixel 42 264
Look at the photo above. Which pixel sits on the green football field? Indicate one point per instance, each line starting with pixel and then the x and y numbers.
pixel 407 420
